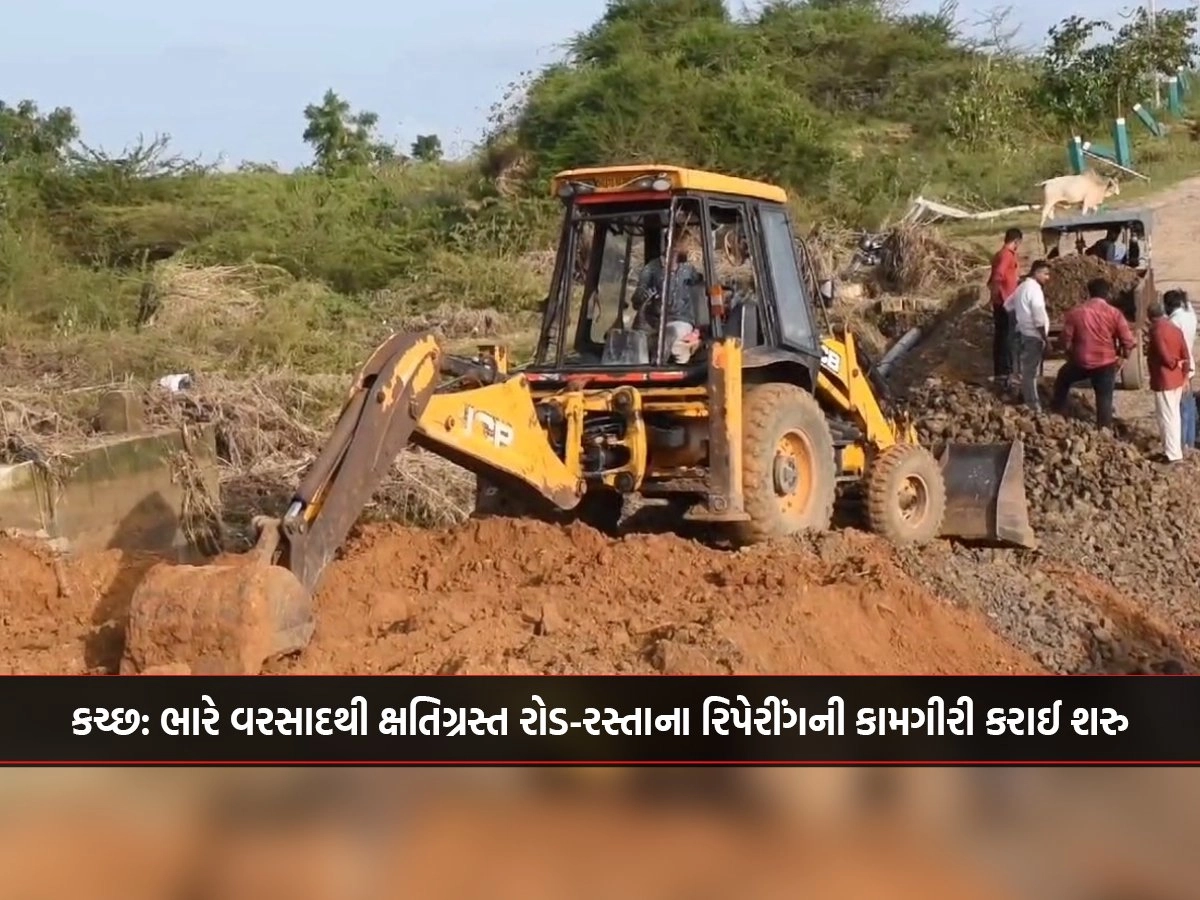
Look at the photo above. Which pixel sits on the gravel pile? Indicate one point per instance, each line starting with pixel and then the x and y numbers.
pixel 1071 468
pixel 1070 276
pixel 1068 626
pixel 1096 503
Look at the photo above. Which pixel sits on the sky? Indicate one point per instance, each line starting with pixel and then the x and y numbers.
pixel 229 79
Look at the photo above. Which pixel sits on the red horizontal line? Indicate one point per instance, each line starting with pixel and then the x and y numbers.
pixel 605 763
pixel 607 675
pixel 620 196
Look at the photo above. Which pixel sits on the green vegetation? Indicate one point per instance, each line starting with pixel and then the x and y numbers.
pixel 148 263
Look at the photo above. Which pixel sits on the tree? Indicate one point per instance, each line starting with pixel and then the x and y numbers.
pixel 427 148
pixel 27 135
pixel 1084 80
pixel 343 140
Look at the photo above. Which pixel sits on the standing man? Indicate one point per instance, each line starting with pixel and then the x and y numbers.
pixel 1096 337
pixel 1169 361
pixel 1179 310
pixel 1001 284
pixel 1028 307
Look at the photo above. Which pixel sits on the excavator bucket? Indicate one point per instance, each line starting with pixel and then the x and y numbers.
pixel 221 619
pixel 985 494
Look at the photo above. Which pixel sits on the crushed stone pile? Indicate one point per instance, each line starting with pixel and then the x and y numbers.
pixel 1070 276
pixel 1071 468
pixel 1101 507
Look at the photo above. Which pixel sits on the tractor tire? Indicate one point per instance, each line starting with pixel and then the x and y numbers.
pixel 906 495
pixel 790 473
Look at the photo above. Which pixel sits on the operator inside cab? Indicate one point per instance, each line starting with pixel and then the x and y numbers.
pixel 1110 247
pixel 682 338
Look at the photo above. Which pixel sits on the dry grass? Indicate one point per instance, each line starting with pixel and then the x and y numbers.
pixel 458 322
pixel 268 430
pixel 832 247
pixel 919 260
pixel 185 297
pixel 861 321
pixel 42 425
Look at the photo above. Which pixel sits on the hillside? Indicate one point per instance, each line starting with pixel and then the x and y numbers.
pixel 851 107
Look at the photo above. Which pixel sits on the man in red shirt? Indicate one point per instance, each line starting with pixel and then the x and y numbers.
pixel 1096 338
pixel 1001 284
pixel 1170 362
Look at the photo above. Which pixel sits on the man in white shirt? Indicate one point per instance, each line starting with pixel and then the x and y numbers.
pixel 1179 310
pixel 1028 307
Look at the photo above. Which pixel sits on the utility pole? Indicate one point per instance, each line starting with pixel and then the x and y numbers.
pixel 1152 16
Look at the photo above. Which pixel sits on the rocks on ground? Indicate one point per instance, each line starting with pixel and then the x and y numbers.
pixel 1115 524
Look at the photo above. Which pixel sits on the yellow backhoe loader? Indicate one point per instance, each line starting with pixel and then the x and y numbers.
pixel 709 376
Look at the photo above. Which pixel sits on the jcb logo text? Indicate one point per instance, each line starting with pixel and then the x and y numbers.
pixel 499 433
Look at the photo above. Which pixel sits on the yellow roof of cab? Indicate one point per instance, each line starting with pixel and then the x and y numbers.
pixel 610 177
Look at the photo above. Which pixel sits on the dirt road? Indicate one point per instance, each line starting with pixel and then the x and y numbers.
pixel 1177 237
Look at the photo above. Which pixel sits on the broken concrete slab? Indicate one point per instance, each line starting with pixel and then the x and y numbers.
pixel 121 412
pixel 122 494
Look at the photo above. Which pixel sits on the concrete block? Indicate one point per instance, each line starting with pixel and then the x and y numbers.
pixel 121 412
pixel 122 494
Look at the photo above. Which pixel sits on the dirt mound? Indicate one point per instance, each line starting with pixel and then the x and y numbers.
pixel 503 596
pixel 62 624
pixel 1070 276
pixel 1117 534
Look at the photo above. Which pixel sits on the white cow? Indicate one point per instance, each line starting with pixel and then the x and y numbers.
pixel 1088 189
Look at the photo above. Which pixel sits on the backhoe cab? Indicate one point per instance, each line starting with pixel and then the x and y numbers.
pixel 753 419
pixel 680 356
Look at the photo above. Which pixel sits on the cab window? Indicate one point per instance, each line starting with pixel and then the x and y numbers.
pixel 734 270
pixel 792 300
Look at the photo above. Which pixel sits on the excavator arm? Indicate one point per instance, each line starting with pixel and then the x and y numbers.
pixel 484 420
pixel 843 385
pixel 388 396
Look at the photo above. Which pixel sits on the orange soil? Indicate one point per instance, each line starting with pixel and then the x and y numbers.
pixel 504 596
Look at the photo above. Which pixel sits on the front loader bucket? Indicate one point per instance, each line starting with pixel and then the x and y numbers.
pixel 985 494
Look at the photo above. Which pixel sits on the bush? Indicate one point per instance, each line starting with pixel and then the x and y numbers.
pixel 812 95
pixel 851 107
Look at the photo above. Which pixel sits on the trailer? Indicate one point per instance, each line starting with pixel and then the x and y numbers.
pixel 1137 227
